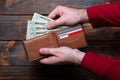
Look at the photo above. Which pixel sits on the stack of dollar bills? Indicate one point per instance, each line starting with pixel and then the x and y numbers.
pixel 38 26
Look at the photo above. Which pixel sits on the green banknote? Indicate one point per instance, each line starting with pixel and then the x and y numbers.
pixel 38 26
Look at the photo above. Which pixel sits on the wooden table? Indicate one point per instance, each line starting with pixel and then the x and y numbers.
pixel 14 65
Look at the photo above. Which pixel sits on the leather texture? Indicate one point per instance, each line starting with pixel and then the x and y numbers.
pixel 73 38
pixel 32 46
pixel 73 41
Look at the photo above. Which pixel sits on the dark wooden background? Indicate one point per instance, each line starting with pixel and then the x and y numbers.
pixel 14 65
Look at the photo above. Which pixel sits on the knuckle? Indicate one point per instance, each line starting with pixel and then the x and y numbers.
pixel 59 6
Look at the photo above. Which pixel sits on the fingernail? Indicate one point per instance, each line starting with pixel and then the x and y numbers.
pixel 49 26
pixel 41 51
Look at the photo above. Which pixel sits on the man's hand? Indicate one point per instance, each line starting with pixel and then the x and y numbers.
pixel 61 55
pixel 67 16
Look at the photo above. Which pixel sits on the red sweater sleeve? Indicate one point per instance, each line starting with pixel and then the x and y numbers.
pixel 102 66
pixel 104 15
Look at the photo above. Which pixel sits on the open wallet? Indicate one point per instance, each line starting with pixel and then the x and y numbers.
pixel 72 37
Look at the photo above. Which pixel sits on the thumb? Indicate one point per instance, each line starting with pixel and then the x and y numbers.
pixel 56 23
pixel 47 51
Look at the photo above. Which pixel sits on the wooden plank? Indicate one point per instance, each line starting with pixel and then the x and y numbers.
pixel 41 6
pixel 102 33
pixel 13 52
pixel 105 47
pixel 68 72
pixel 13 27
pixel 18 6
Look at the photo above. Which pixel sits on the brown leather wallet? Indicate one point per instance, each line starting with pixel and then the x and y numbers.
pixel 71 37
pixel 32 46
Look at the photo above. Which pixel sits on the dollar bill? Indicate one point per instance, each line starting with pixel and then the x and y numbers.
pixel 35 30
pixel 40 18
pixel 30 30
pixel 38 26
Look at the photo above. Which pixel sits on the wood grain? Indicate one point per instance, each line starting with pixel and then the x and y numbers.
pixel 16 54
pixel 42 6
pixel 14 64
pixel 15 27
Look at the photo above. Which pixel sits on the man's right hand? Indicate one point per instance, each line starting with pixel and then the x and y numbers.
pixel 67 16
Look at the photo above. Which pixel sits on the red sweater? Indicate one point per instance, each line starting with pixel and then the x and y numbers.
pixel 103 15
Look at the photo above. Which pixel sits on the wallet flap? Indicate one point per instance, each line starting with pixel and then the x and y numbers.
pixel 32 46
pixel 72 37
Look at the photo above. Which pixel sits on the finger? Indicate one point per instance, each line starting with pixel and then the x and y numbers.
pixel 56 23
pixel 49 60
pixel 53 14
pixel 107 3
pixel 48 51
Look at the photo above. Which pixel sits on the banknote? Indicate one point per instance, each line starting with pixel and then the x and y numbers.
pixel 38 26
pixel 40 18
pixel 34 30
pixel 30 30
